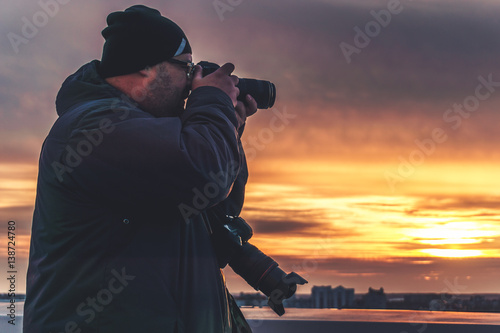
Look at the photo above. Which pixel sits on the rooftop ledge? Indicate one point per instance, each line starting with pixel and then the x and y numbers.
pixel 264 320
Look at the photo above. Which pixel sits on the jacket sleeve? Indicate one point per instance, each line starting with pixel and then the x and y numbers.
pixel 133 157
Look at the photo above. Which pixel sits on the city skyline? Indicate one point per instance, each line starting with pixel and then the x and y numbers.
pixel 377 166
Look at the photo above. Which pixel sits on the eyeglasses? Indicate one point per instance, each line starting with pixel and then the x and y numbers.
pixel 189 66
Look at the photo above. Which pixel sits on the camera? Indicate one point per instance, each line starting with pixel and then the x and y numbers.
pixel 230 237
pixel 264 92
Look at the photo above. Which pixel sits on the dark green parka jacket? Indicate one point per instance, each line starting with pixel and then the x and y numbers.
pixel 119 242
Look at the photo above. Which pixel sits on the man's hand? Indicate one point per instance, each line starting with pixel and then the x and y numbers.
pixel 221 79
pixel 244 110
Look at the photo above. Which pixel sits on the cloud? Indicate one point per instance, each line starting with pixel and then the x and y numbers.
pixel 397 274
pixel 423 54
pixel 460 202
pixel 291 227
pixel 282 227
pixel 22 215
pixel 394 90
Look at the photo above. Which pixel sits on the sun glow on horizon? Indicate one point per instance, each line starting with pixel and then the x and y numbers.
pixel 451 253
pixel 362 226
pixel 318 223
pixel 454 235
pixel 17 184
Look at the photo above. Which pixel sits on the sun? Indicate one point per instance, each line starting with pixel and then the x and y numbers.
pixel 451 253
pixel 453 239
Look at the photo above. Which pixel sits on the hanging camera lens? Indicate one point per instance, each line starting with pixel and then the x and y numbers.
pixel 230 239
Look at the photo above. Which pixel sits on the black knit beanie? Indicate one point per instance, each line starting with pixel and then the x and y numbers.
pixel 137 38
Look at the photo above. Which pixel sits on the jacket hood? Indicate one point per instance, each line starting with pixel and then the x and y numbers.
pixel 84 85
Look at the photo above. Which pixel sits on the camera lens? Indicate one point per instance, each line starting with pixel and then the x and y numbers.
pixel 264 92
pixel 254 266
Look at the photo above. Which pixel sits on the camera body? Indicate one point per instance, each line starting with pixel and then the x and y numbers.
pixel 264 92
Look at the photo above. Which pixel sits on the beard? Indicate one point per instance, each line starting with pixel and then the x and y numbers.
pixel 163 97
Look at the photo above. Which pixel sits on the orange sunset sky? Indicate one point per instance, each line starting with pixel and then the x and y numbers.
pixel 378 164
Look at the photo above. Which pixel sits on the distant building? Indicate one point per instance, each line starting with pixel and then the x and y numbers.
pixel 340 297
pixel 260 300
pixel 298 301
pixel 427 301
pixel 324 297
pixel 375 299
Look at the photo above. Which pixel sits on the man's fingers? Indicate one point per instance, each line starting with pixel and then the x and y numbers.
pixel 221 79
pixel 251 105
pixel 235 79
pixel 226 69
pixel 241 115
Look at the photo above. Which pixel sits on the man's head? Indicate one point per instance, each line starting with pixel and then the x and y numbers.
pixel 137 38
pixel 141 57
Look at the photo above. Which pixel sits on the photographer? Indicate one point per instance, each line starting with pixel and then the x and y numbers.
pixel 110 250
